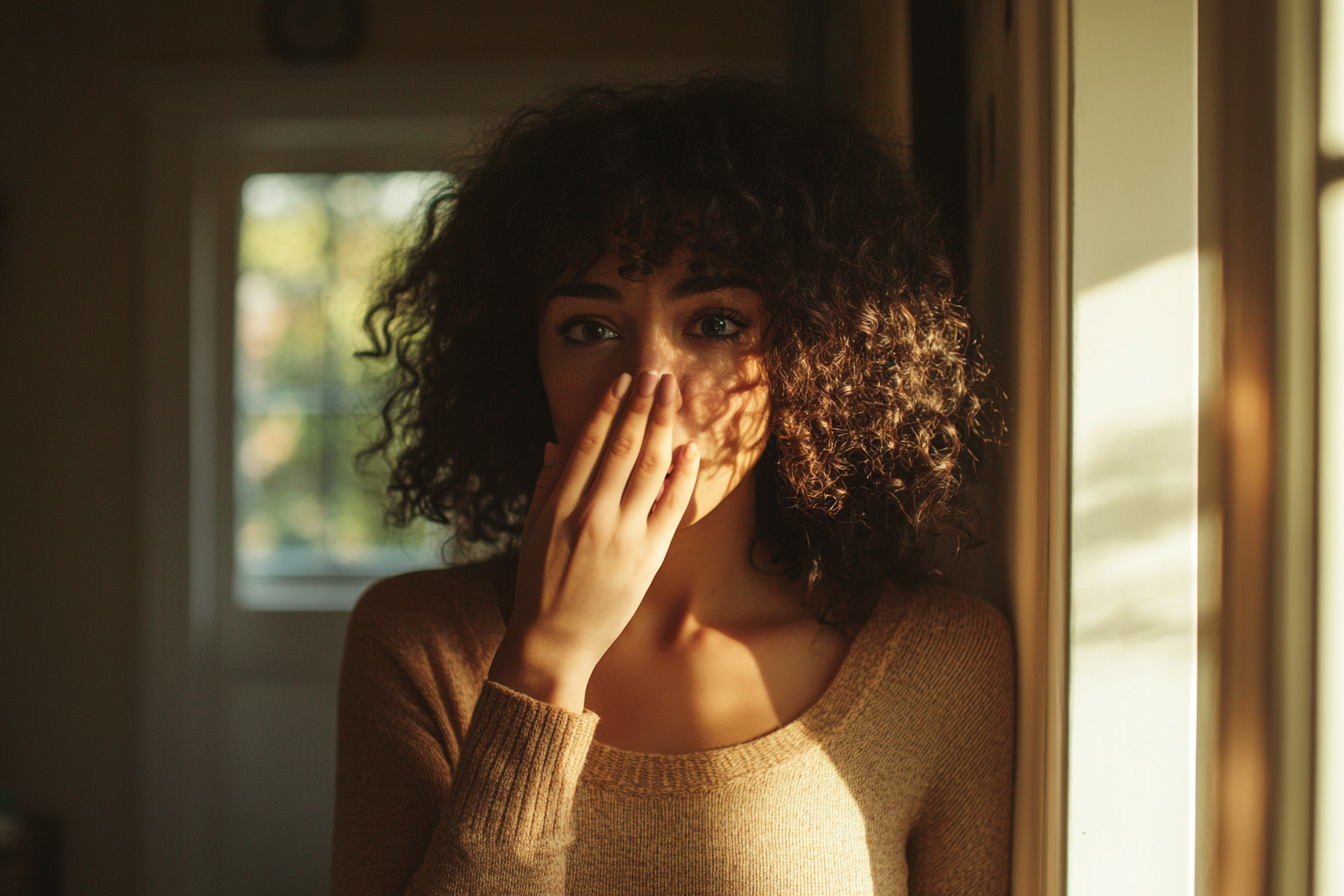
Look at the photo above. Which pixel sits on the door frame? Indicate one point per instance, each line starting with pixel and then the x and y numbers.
pixel 1021 251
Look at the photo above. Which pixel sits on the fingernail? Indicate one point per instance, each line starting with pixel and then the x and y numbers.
pixel 692 451
pixel 648 381
pixel 622 385
pixel 548 454
pixel 666 392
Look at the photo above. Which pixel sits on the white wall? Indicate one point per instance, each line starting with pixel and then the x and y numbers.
pixel 1135 424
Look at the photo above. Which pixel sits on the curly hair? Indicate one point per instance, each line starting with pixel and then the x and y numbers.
pixel 876 383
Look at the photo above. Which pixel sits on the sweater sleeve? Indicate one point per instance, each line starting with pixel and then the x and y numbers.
pixel 429 804
pixel 961 842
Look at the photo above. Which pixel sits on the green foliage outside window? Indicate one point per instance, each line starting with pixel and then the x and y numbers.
pixel 311 247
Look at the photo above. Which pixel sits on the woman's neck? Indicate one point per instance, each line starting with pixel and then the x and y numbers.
pixel 709 580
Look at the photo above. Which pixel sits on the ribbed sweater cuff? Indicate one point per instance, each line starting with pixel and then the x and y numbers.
pixel 519 768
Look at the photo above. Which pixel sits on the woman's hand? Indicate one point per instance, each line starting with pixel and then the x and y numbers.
pixel 596 533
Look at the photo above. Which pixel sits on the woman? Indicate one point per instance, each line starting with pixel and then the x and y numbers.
pixel 691 354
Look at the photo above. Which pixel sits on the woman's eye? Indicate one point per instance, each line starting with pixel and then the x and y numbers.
pixel 717 326
pixel 586 332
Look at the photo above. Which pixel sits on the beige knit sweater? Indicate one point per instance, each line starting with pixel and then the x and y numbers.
pixel 898 780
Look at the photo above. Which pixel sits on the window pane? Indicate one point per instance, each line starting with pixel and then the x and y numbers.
pixel 1330 609
pixel 1332 77
pixel 309 524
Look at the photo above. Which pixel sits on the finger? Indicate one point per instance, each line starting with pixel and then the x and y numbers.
pixel 655 457
pixel 626 440
pixel 550 474
pixel 671 507
pixel 586 453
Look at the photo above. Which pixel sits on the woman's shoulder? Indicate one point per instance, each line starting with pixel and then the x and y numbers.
pixel 932 669
pixel 946 613
pixel 452 602
pixel 946 634
pixel 418 647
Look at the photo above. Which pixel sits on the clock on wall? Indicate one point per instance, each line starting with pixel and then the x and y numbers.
pixel 314 30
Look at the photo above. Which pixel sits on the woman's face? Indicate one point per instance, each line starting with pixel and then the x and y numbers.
pixel 705 331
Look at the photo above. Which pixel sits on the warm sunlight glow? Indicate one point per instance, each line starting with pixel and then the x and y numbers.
pixel 1134 562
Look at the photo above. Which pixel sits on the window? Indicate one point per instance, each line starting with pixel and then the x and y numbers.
pixel 309 530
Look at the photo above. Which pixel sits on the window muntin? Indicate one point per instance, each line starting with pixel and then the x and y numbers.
pixel 309 531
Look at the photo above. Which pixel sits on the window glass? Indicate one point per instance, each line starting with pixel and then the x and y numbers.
pixel 309 525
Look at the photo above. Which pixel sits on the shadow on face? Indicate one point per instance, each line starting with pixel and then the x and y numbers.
pixel 704 330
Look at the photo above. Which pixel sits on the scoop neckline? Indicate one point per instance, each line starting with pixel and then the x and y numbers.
pixel 613 768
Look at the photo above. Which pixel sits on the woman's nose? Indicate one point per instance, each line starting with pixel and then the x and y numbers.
pixel 654 352
pixel 657 353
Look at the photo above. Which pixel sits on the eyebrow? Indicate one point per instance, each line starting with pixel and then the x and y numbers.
pixel 691 286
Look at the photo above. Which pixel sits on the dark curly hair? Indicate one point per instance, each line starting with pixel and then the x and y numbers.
pixel 877 387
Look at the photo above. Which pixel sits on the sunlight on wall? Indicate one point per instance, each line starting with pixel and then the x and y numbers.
pixel 1135 416
pixel 1134 554
pixel 1330 609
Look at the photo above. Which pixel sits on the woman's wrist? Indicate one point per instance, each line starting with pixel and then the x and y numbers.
pixel 530 669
